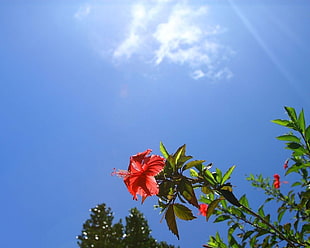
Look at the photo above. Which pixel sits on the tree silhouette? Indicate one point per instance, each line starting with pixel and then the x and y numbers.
pixel 100 232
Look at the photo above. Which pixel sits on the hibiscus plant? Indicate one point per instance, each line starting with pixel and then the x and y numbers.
pixel 176 179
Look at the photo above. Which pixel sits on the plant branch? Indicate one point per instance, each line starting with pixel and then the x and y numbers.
pixel 269 225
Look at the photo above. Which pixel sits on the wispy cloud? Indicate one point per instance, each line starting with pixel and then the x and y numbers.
pixel 170 31
pixel 82 12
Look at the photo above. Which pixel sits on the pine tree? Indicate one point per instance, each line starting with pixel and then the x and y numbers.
pixel 100 232
pixel 138 233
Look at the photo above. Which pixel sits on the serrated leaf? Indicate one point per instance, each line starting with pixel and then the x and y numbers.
pixel 211 208
pixel 166 189
pixel 163 150
pixel 227 174
pixel 192 164
pixel 183 212
pixel 289 137
pixel 171 222
pixel 187 191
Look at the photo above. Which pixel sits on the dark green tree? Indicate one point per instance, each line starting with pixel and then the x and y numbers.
pixel 138 233
pixel 100 232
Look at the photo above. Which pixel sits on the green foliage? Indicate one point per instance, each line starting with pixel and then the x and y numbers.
pixel 258 229
pixel 100 232
pixel 175 185
pixel 181 179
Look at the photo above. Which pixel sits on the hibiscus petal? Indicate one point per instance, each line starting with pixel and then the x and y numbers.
pixel 136 161
pixel 141 185
pixel 154 165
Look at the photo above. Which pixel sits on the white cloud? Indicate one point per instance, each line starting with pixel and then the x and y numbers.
pixel 82 12
pixel 170 31
pixel 197 74
pixel 216 74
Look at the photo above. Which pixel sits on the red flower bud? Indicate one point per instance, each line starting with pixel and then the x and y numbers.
pixel 285 166
pixel 203 208
pixel 276 181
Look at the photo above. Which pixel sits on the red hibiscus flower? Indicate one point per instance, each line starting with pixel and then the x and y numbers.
pixel 203 208
pixel 140 177
pixel 276 181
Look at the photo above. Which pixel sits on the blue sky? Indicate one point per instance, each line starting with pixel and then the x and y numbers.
pixel 86 84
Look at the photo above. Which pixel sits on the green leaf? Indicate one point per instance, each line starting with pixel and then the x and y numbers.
pixel 187 191
pixel 166 189
pixel 178 154
pixel 211 208
pixel 221 218
pixel 244 201
pixel 293 145
pixel 261 211
pixel 237 212
pixel 206 190
pixel 229 196
pixel 301 121
pixel 291 113
pixel 163 150
pixel 218 175
pixel 289 137
pixel 192 164
pixel 184 159
pixel 193 173
pixel 293 168
pixel 296 184
pixel 183 212
pixel 280 214
pixel 284 123
pixel 247 235
pixel 287 227
pixel 227 174
pixel 306 228
pixel 169 165
pixel 307 134
pixel 171 222
pixel 224 203
pixel 209 177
